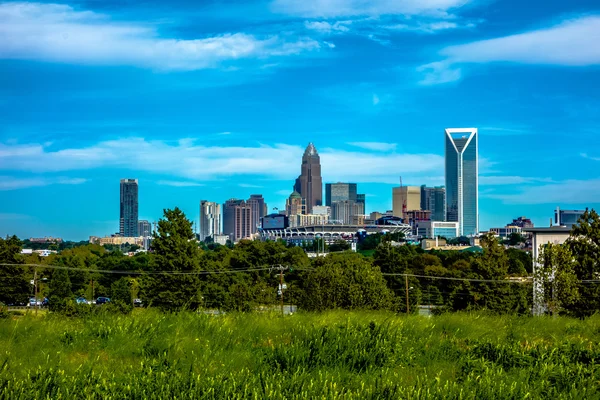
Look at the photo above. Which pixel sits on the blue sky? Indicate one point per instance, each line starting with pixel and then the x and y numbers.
pixel 218 99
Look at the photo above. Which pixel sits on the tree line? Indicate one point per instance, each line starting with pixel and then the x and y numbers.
pixel 179 273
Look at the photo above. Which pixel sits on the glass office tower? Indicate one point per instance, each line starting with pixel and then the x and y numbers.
pixel 462 200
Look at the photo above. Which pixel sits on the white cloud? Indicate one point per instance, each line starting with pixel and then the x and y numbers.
pixel 375 99
pixel 376 146
pixel 12 183
pixel 248 185
pixel 565 192
pixel 510 180
pixel 184 159
pixel 328 27
pixel 568 43
pixel 335 8
pixel 59 33
pixel 178 183
pixel 429 27
pixel 585 155
pixel 438 72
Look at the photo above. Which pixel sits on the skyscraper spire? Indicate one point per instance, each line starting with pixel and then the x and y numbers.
pixel 309 184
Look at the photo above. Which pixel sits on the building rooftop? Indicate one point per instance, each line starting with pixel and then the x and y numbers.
pixel 551 229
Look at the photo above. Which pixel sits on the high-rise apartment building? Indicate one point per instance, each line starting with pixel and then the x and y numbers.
pixel 462 179
pixel 434 199
pixel 339 192
pixel 346 210
pixel 259 210
pixel 144 228
pixel 405 198
pixel 128 218
pixel 210 219
pixel 237 219
pixel 309 184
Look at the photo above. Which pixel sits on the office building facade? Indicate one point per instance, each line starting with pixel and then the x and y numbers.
pixel 434 229
pixel 405 198
pixel 567 218
pixel 258 210
pixel 210 219
pixel 433 199
pixel 462 179
pixel 339 192
pixel 128 217
pixel 310 184
pixel 237 220
pixel 295 204
pixel 343 212
pixel 144 228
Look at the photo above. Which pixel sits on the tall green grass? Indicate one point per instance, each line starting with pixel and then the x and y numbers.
pixel 330 355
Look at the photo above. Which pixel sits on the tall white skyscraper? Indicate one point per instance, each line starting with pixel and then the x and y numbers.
pixel 462 179
pixel 210 219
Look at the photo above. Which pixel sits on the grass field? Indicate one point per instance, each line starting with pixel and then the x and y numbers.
pixel 330 355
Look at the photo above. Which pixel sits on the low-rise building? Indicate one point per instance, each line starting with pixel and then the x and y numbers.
pixel 117 240
pixel 506 231
pixel 434 229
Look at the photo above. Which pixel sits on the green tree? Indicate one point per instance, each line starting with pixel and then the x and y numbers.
pixel 175 249
pixel 121 293
pixel 556 281
pixel 339 245
pixel 14 287
pixel 584 244
pixel 348 281
pixel 60 292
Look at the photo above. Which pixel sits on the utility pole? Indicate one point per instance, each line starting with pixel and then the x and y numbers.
pixel 281 269
pixel 407 304
pixel 35 282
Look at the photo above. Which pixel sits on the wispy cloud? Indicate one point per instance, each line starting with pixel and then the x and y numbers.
pixel 328 27
pixel 13 183
pixel 185 159
pixel 60 33
pixel 248 185
pixel 376 146
pixel 373 8
pixel 565 192
pixel 567 43
pixel 179 183
pixel 585 155
pixel 510 180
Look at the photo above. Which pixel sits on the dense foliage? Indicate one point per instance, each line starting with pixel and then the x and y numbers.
pixel 181 274
pixel 368 355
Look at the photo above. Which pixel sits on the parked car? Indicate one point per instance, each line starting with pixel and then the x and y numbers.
pixel 81 300
pixel 137 302
pixel 45 302
pixel 102 300
pixel 33 302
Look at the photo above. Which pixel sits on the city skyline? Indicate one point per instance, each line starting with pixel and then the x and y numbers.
pixel 201 101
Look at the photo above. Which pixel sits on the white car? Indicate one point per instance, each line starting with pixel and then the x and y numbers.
pixel 32 302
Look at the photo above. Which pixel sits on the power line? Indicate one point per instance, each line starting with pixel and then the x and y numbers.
pixel 122 272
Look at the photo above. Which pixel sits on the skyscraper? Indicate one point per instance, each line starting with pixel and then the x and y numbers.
pixel 405 198
pixel 462 180
pixel 339 192
pixel 128 218
pixel 434 199
pixel 237 219
pixel 144 228
pixel 258 210
pixel 344 211
pixel 309 184
pixel 210 219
